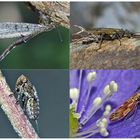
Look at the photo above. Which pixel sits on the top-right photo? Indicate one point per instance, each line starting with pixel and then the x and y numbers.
pixel 105 35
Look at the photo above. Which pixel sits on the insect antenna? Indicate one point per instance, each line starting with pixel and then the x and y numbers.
pixel 136 35
pixel 137 89
pixel 59 34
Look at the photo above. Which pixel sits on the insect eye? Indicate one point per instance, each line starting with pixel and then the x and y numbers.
pixel 17 89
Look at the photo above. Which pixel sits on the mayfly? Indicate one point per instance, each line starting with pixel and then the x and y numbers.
pixel 126 108
pixel 25 31
pixel 27 94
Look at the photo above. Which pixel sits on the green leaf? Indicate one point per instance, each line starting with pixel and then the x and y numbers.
pixel 74 124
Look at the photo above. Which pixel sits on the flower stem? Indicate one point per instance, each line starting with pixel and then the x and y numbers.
pixel 14 112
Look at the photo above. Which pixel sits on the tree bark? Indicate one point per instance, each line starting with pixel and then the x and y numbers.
pixel 110 55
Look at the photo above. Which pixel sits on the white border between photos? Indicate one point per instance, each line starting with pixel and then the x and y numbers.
pixel 75 138
pixel 75 0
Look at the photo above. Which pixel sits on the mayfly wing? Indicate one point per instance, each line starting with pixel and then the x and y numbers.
pixel 11 29
pixel 124 110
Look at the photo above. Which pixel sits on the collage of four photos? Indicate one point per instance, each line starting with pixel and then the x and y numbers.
pixel 69 69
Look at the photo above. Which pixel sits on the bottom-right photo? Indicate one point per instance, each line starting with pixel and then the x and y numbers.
pixel 104 103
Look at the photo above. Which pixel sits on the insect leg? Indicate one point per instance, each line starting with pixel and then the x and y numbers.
pixel 81 29
pixel 88 41
pixel 117 36
pixel 100 41
pixel 137 89
pixel 24 102
pixel 43 19
pixel 37 127
pixel 18 98
pixel 129 34
pixel 59 34
pixel 14 45
pixel 119 39
pixel 11 95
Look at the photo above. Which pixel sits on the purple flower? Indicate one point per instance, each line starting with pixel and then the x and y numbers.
pixel 95 94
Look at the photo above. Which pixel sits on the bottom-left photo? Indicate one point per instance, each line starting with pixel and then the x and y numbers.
pixel 34 103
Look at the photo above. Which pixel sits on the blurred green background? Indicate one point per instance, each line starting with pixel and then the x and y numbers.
pixel 44 51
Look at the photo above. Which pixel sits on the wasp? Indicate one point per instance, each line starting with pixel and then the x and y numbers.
pixel 27 94
pixel 126 108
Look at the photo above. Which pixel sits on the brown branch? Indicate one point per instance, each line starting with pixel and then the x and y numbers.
pixel 111 55
pixel 14 112
pixel 55 12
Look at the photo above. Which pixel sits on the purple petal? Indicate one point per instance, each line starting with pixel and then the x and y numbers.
pixel 128 81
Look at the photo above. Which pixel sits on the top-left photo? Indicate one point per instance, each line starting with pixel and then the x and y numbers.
pixel 34 35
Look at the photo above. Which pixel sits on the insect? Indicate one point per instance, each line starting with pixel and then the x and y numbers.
pixel 100 34
pixel 51 14
pixel 126 108
pixel 25 31
pixel 11 30
pixel 26 93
